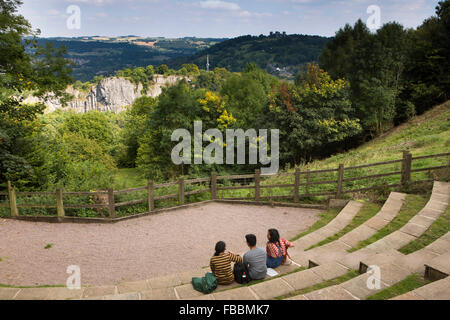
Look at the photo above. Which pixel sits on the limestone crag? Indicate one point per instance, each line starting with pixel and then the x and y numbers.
pixel 110 94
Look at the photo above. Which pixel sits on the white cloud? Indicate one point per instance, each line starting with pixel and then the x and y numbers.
pixel 101 15
pixel 96 2
pixel 53 12
pixel 217 4
pixel 231 7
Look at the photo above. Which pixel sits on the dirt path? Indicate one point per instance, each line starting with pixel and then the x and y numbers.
pixel 140 248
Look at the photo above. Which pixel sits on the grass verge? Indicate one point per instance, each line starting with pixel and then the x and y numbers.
pixel 253 282
pixel 412 205
pixel 408 284
pixel 25 287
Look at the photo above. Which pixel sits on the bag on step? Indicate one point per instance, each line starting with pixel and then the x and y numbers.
pixel 240 272
pixel 206 284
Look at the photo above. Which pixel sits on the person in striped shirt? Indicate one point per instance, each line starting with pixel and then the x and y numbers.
pixel 276 249
pixel 220 263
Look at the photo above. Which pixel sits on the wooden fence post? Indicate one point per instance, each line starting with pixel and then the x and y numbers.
pixel 257 184
pixel 448 168
pixel 213 186
pixel 296 184
pixel 111 204
pixel 151 196
pixel 12 200
pixel 406 168
pixel 307 181
pixel 59 203
pixel 339 181
pixel 181 191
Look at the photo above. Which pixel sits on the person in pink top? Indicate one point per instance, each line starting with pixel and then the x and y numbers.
pixel 276 249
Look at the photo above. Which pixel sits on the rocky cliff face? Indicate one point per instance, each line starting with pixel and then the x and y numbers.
pixel 110 94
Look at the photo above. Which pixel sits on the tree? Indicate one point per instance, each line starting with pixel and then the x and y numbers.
pixel 177 107
pixel 24 67
pixel 212 80
pixel 191 69
pixel 246 95
pixel 374 64
pixel 134 128
pixel 162 69
pixel 429 60
pixel 314 116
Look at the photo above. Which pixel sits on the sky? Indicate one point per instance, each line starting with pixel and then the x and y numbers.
pixel 214 18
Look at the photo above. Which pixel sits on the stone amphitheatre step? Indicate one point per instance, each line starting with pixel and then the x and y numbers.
pixel 414 261
pixel 393 267
pixel 8 293
pixel 417 225
pixel 173 286
pixel 338 249
pixel 330 293
pixel 438 268
pixel 390 274
pixel 394 240
pixel 50 293
pixel 399 238
pixel 437 290
pixel 242 293
pixel 344 217
pixel 386 257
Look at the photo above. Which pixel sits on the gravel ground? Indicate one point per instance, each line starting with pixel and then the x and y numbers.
pixel 137 249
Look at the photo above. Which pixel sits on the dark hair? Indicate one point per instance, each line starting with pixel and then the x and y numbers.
pixel 274 236
pixel 220 247
pixel 251 240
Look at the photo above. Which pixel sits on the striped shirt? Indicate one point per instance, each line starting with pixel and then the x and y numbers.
pixel 273 251
pixel 221 267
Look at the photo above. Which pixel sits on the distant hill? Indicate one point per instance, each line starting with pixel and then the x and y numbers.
pixel 278 53
pixel 97 55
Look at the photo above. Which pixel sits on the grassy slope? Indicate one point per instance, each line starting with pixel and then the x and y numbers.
pixel 425 134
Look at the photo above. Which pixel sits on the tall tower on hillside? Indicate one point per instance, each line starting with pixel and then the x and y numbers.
pixel 207 62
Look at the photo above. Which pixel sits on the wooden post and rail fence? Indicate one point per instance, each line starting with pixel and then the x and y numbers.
pixel 405 173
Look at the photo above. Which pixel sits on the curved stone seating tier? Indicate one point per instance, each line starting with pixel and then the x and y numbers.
pixel 344 217
pixel 394 267
pixel 338 248
pixel 438 290
pixel 346 261
pixel 413 229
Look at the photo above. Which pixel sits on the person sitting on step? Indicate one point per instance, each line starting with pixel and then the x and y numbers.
pixel 277 249
pixel 255 259
pixel 220 263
